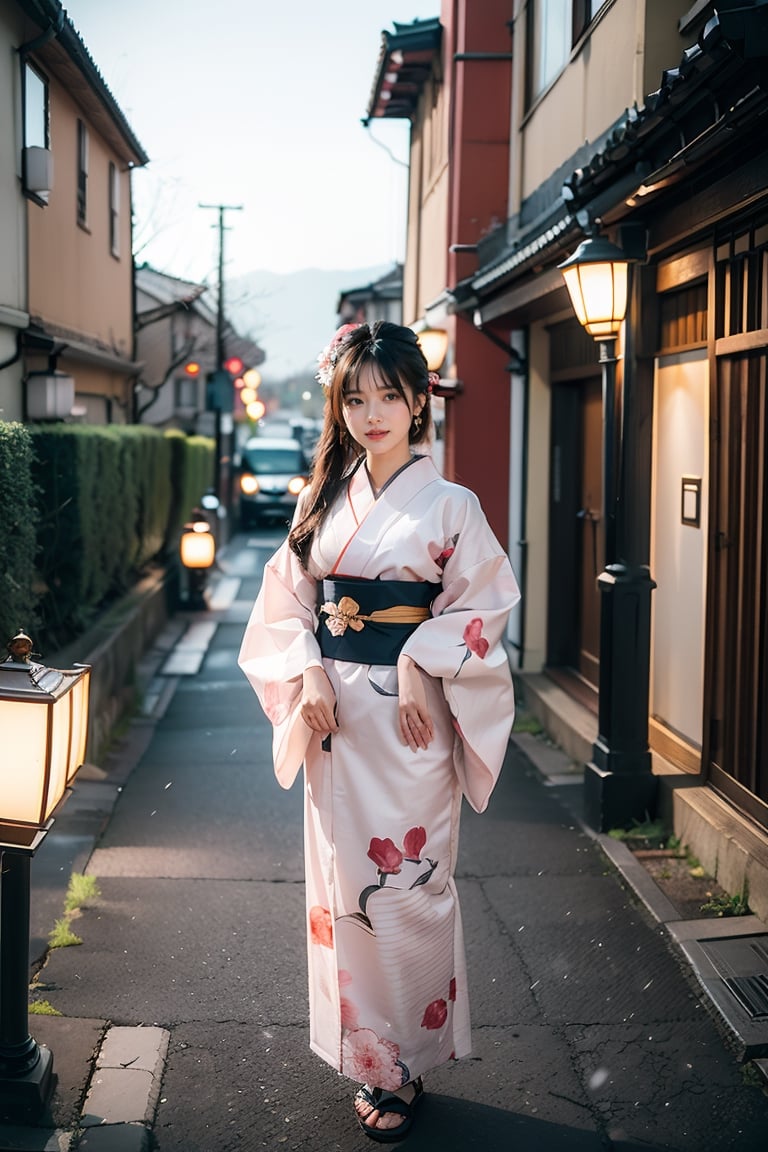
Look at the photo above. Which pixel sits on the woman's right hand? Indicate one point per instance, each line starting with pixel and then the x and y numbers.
pixel 318 701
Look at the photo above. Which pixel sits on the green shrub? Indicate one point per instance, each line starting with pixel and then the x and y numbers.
pixel 18 594
pixel 108 501
pixel 192 459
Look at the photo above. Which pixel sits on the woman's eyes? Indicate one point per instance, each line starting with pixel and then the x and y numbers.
pixel 355 401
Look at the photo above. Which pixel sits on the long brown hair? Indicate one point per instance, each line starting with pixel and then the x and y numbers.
pixel 394 352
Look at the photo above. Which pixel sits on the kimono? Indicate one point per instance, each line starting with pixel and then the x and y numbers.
pixel 388 989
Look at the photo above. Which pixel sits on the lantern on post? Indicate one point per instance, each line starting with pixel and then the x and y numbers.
pixel 619 785
pixel 44 721
pixel 198 552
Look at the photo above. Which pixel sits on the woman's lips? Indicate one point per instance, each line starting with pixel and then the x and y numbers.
pixel 375 435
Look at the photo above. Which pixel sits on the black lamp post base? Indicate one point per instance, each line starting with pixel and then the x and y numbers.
pixel 24 1097
pixel 615 799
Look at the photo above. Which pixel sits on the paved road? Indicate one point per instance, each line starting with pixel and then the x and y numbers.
pixel 588 1036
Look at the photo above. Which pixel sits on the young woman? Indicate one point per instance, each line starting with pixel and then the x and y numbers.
pixel 375 649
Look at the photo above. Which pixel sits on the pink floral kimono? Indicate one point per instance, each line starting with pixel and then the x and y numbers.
pixel 388 990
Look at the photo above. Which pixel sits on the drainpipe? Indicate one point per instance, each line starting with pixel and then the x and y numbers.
pixel 45 36
pixel 17 354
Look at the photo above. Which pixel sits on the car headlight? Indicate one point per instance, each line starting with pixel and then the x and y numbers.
pixel 296 484
pixel 249 485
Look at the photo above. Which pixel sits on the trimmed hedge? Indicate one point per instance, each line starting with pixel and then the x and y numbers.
pixel 109 501
pixel 18 597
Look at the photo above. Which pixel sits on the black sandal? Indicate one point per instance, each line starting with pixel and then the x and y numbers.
pixel 388 1102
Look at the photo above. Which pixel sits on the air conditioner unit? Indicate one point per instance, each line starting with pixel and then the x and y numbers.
pixel 38 170
pixel 50 395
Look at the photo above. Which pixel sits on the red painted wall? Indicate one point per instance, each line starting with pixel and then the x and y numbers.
pixel 477 422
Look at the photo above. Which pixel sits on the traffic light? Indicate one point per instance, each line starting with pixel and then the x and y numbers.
pixel 234 365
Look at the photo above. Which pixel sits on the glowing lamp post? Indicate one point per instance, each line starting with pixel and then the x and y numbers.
pixel 619 785
pixel 198 552
pixel 44 721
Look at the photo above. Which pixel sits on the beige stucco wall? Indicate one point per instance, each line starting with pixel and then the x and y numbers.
pixel 12 216
pixel 537 489
pixel 74 280
pixel 617 65
pixel 426 254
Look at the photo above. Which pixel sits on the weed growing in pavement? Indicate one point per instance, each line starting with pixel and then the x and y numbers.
pixel 645 834
pixel 725 905
pixel 525 722
pixel 61 935
pixel 42 1008
pixel 82 889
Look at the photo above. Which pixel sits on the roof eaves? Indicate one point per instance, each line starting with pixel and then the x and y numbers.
pixel 404 64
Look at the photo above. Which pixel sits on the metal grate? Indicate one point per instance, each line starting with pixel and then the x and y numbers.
pixel 751 992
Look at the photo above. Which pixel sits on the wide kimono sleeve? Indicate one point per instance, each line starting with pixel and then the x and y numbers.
pixel 462 643
pixel 279 643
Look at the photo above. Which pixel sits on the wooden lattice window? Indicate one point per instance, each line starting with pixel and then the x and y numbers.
pixel 683 317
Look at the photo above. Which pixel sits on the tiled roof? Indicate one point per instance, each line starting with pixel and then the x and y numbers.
pixel 404 64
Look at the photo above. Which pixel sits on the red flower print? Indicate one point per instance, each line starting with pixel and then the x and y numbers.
pixel 435 1015
pixel 452 992
pixel 385 855
pixel 320 926
pixel 348 1010
pixel 474 639
pixel 441 558
pixel 414 841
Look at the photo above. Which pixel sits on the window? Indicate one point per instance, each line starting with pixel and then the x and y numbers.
pixel 82 173
pixel 554 26
pixel 114 210
pixel 36 123
pixel 185 389
pixel 550 42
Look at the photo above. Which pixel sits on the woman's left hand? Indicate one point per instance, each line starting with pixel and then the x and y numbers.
pixel 416 726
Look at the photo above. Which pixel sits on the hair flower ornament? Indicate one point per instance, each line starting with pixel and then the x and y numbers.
pixel 330 354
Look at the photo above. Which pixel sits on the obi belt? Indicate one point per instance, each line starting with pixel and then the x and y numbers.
pixel 369 621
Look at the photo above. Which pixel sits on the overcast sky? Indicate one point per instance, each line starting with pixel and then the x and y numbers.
pixel 256 103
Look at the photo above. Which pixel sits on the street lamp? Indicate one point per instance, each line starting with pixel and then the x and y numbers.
pixel 619 785
pixel 44 721
pixel 434 345
pixel 198 552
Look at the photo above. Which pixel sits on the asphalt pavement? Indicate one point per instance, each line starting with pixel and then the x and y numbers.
pixel 183 1023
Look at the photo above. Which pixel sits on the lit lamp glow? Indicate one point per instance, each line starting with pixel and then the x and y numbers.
pixel 255 410
pixel 596 279
pixel 252 378
pixel 44 722
pixel 198 547
pixel 434 345
pixel 44 719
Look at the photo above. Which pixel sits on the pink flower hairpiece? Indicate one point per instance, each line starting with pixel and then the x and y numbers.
pixel 330 354
pixel 433 381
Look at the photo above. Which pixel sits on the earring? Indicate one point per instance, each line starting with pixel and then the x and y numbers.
pixel 417 421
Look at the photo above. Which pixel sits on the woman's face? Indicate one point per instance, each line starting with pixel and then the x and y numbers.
pixel 379 418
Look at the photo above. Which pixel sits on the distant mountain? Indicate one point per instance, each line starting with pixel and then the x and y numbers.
pixel 293 315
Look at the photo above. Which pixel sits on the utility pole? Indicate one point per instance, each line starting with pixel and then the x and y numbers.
pixel 221 385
